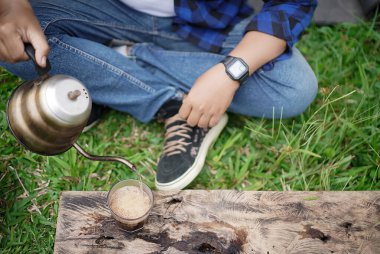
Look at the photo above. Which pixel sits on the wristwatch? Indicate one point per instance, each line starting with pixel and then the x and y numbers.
pixel 236 68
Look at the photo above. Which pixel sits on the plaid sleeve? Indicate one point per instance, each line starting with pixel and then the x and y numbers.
pixel 209 14
pixel 284 19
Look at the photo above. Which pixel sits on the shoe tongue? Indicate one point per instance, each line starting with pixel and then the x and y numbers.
pixel 169 109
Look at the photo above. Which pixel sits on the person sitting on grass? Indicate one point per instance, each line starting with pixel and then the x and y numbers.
pixel 185 61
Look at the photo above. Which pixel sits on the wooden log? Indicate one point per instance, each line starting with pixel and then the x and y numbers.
pixel 226 221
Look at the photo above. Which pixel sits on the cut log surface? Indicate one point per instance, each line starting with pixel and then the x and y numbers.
pixel 226 221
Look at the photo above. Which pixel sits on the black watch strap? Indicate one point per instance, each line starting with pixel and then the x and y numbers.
pixel 228 60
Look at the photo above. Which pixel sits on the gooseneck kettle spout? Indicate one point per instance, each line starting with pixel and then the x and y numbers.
pixel 104 158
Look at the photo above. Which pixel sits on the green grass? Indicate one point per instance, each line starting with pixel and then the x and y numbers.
pixel 334 145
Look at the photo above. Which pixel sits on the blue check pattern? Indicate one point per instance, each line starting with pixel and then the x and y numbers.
pixel 206 23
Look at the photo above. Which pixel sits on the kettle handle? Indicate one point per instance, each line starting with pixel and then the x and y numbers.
pixel 29 50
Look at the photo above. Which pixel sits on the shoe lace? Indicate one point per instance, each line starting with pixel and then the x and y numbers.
pixel 177 146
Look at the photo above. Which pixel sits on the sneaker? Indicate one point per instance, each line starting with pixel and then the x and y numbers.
pixel 185 152
pixel 96 114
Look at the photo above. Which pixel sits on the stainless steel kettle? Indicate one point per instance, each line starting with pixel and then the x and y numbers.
pixel 47 115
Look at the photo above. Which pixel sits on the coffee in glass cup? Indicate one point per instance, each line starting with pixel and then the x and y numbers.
pixel 130 202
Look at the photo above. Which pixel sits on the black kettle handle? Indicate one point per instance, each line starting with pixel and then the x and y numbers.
pixel 29 50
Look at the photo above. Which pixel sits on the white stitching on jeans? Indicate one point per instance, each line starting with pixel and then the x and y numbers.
pixel 112 68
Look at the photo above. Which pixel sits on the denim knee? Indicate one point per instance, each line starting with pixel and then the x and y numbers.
pixel 304 90
pixel 283 92
pixel 291 85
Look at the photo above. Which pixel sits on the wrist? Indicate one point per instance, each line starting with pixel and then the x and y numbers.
pixel 231 84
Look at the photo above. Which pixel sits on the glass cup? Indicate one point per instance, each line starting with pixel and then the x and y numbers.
pixel 130 224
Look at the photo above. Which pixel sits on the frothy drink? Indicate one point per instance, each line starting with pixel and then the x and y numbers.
pixel 130 202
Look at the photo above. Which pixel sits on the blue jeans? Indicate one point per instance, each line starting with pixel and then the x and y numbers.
pixel 162 66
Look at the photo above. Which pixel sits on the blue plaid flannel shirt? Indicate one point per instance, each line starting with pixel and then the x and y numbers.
pixel 206 23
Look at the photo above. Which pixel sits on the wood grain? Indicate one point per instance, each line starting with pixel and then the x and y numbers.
pixel 225 221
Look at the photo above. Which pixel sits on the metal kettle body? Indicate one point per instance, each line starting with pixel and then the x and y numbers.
pixel 48 114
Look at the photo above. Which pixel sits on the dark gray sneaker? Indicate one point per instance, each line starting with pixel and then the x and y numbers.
pixel 185 152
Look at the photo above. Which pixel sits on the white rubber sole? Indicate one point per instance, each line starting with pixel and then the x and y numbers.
pixel 195 169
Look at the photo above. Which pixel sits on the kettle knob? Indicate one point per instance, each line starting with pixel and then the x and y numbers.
pixel 73 95
pixel 65 100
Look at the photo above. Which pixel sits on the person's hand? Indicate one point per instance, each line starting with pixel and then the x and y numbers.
pixel 18 24
pixel 209 98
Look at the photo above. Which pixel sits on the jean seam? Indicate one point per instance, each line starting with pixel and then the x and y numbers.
pixel 154 25
pixel 169 52
pixel 129 28
pixel 110 67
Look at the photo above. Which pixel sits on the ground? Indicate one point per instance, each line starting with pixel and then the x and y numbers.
pixel 334 145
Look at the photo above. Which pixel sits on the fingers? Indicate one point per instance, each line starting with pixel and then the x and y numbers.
pixel 185 110
pixel 37 39
pixel 11 45
pixel 3 53
pixel 204 121
pixel 198 115
pixel 191 115
pixel 18 24
pixel 193 118
pixel 14 47
pixel 214 121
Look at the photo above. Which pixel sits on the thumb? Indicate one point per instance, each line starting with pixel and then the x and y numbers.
pixel 38 40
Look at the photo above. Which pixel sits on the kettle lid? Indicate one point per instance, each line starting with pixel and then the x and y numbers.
pixel 67 99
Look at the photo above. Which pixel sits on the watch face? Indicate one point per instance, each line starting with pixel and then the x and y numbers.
pixel 237 69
